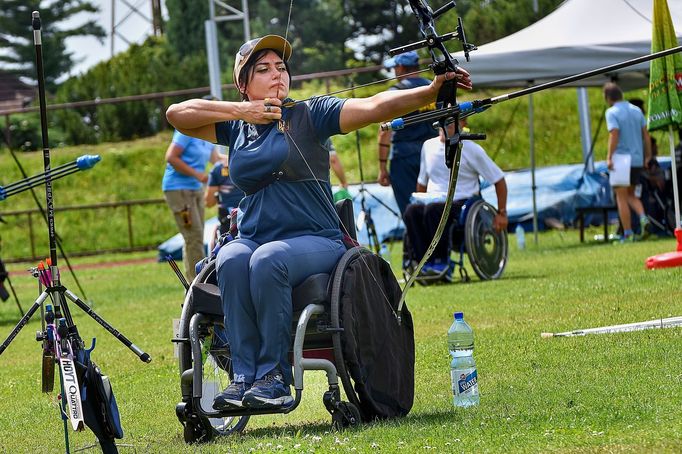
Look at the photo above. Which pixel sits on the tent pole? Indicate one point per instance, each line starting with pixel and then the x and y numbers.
pixel 676 195
pixel 585 128
pixel 531 136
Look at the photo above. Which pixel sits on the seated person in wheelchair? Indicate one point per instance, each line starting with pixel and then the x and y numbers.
pixel 421 219
pixel 222 191
pixel 288 226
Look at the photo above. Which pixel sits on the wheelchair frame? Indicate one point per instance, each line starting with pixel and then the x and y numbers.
pixel 476 232
pixel 202 312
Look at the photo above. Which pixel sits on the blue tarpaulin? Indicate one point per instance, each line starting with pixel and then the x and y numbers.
pixel 560 190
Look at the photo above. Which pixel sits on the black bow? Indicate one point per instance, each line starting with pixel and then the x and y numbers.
pixel 447 110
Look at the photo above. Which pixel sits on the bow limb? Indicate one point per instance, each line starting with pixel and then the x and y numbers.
pixel 447 98
pixel 454 172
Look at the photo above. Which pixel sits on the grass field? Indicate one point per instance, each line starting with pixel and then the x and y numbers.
pixel 605 393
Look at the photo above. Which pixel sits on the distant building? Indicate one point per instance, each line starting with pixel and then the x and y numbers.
pixel 14 94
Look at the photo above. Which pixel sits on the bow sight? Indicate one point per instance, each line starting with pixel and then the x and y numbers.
pixel 426 16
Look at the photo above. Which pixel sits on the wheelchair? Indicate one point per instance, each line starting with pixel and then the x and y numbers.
pixel 472 233
pixel 345 323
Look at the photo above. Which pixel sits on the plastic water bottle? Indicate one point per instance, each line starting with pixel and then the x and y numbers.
pixel 520 237
pixel 462 366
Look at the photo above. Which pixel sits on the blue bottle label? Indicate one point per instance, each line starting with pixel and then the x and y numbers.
pixel 465 381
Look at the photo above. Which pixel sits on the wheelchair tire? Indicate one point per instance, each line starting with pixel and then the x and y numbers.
pixel 374 353
pixel 486 248
pixel 217 373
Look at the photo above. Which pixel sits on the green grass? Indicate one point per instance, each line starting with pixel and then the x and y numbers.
pixel 602 393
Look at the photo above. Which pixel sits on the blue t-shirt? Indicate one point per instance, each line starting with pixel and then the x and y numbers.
pixel 408 141
pixel 230 195
pixel 629 120
pixel 195 153
pixel 282 209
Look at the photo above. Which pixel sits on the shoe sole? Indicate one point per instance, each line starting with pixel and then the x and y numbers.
pixel 227 404
pixel 252 401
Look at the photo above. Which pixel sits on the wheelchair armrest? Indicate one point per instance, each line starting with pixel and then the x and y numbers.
pixel 206 299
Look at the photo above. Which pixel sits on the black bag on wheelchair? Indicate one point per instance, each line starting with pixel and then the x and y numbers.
pixel 378 348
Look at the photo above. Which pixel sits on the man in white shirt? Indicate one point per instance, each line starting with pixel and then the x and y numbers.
pixel 421 219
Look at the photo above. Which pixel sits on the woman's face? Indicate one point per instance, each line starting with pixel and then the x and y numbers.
pixel 268 79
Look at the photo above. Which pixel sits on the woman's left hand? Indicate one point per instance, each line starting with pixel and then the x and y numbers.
pixel 462 76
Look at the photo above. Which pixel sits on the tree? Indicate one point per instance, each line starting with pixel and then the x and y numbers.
pixel 17 51
pixel 185 26
pixel 379 25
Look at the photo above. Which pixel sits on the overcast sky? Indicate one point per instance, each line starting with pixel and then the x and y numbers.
pixel 89 51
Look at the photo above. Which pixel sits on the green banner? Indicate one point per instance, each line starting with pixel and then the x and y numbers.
pixel 665 80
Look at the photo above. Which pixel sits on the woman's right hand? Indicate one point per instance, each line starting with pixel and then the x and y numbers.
pixel 262 111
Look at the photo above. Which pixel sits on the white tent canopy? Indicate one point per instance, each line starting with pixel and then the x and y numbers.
pixel 580 35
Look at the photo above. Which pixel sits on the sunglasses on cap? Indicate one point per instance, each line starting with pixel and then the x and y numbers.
pixel 247 47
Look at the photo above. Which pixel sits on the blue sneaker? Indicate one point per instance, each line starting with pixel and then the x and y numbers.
pixel 437 268
pixel 231 397
pixel 269 392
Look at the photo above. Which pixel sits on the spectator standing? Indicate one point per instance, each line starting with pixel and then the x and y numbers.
pixel 405 144
pixel 628 136
pixel 182 185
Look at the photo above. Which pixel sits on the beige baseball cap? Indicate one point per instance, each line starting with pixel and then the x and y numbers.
pixel 274 42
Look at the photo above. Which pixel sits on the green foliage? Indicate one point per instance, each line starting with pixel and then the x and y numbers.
pixel 16 37
pixel 486 20
pixel 391 24
pixel 132 72
pixel 185 26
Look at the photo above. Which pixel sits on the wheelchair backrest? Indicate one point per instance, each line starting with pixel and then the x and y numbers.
pixel 344 208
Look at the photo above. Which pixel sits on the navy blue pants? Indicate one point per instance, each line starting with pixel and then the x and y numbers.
pixel 421 222
pixel 255 284
pixel 404 172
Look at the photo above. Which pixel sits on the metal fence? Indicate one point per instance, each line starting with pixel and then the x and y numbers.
pixel 35 214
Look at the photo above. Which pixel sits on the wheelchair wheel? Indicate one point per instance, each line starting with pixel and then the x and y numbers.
pixel 216 373
pixel 486 248
pixel 373 343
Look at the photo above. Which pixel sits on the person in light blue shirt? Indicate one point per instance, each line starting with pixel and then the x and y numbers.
pixel 628 135
pixel 288 226
pixel 182 185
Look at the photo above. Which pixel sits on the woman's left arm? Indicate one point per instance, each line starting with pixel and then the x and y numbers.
pixel 360 112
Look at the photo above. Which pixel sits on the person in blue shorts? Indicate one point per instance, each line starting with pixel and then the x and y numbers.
pixel 288 226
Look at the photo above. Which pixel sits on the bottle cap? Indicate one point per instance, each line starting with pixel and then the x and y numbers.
pixel 459 315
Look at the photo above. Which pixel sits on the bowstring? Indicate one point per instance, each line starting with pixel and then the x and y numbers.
pixel 344 90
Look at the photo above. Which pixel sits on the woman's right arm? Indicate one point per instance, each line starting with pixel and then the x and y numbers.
pixel 197 117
